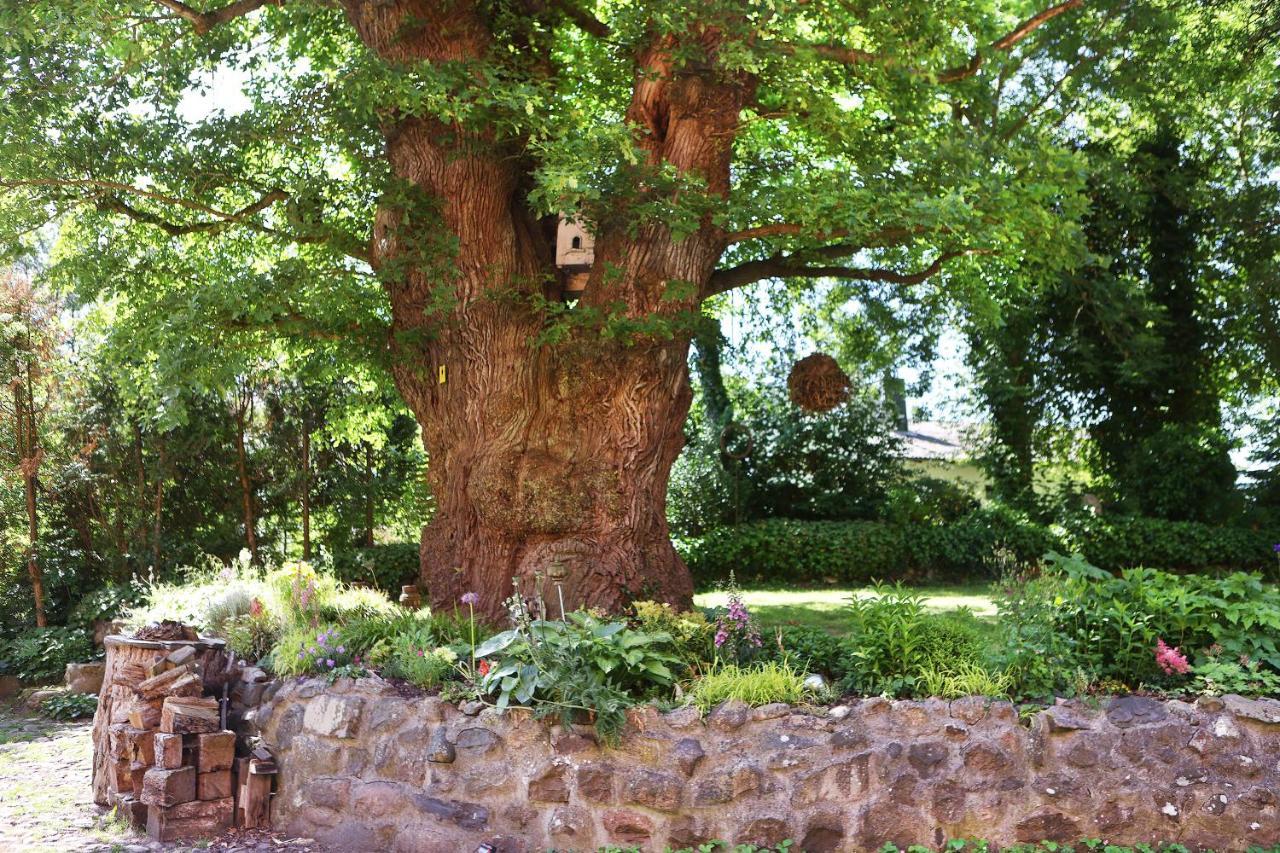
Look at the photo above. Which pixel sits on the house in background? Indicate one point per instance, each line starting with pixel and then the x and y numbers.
pixel 934 448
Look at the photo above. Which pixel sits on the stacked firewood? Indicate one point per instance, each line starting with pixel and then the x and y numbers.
pixel 172 761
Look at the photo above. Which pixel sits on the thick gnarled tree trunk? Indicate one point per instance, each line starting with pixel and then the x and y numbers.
pixel 541 454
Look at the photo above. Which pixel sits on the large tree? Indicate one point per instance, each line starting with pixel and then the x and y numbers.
pixel 381 180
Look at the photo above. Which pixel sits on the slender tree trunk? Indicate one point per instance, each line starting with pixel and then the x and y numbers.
pixel 306 491
pixel 244 406
pixel 368 496
pixel 28 461
pixel 544 455
pixel 157 505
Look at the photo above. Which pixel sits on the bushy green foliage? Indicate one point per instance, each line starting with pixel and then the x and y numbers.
pixel 204 596
pixel 898 648
pixel 109 601
pixel 387 567
pixel 421 664
pixel 251 637
pixel 987 542
pixel 836 465
pixel 928 500
pixel 756 684
pixel 857 552
pixel 1076 618
pixel 580 666
pixel 806 649
pixel 1115 542
pixel 70 706
pixel 690 631
pixel 41 654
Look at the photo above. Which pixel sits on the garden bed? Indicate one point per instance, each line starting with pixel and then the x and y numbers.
pixel 365 767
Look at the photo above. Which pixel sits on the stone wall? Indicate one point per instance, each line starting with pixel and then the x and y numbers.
pixel 364 768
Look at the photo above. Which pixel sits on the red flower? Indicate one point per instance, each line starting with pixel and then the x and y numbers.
pixel 483 666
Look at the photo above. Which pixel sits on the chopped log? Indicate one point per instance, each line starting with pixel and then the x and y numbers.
pixel 214 785
pixel 145 714
pixel 168 751
pixel 118 747
pixel 129 673
pixel 122 775
pixel 197 819
pixel 162 665
pixel 253 803
pixel 158 685
pixel 137 777
pixel 133 809
pixel 182 655
pixel 217 751
pixel 139 746
pixel 162 787
pixel 189 715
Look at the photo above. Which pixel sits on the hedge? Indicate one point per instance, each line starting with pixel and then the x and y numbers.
pixel 388 567
pixel 978 545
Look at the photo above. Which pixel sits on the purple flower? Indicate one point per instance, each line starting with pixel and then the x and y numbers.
pixel 1276 547
pixel 471 599
pixel 722 636
pixel 342 650
pixel 330 662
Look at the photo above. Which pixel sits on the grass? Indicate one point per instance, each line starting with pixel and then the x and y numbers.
pixel 826 608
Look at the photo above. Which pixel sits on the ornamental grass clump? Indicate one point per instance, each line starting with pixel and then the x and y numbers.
pixel 756 684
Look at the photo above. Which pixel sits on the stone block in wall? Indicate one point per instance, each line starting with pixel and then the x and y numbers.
pixel 624 827
pixel 595 782
pixel 333 716
pixel 654 790
pixel 550 786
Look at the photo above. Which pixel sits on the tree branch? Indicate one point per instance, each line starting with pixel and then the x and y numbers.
pixel 852 56
pixel 202 22
pixel 787 266
pixel 581 18
pixel 876 239
pixel 115 204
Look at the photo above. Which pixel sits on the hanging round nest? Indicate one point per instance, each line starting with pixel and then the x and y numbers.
pixel 817 384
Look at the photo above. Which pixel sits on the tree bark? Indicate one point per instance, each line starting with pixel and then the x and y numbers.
pixel 243 407
pixel 306 491
pixel 28 462
pixel 542 455
pixel 368 496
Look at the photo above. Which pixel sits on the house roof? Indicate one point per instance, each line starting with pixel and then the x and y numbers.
pixel 934 440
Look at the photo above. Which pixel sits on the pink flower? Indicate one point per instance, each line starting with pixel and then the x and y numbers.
pixel 1171 660
pixel 470 599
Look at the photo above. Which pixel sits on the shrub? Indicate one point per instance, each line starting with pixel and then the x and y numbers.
pixel 928 500
pixel 70 706
pixel 806 649
pixel 580 666
pixel 206 597
pixel 109 601
pixel 386 567
pixel 896 647
pixel 756 684
pixel 691 634
pixel 856 552
pixel 298 652
pixel 1081 618
pixel 1122 542
pixel 41 654
pixel 421 664
pixel 251 637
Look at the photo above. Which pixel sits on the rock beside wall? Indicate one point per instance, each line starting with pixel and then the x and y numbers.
pixel 364 768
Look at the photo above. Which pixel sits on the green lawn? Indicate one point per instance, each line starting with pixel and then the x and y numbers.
pixel 824 608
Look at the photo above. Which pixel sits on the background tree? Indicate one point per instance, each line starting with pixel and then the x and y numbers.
pixel 386 194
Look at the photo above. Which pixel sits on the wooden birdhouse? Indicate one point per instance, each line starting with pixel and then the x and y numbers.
pixel 575 252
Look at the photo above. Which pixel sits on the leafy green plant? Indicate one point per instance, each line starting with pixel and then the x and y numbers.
pixel 1216 676
pixel 580 667
pixel 756 684
pixel 251 636
pixel 690 631
pixel 964 679
pixel 41 654
pixel 70 706
pixel 807 649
